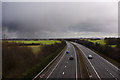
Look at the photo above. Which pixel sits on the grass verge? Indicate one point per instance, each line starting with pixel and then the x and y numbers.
pixel 83 67
pixel 107 58
pixel 31 73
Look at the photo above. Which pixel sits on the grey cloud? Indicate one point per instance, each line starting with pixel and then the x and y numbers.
pixel 23 19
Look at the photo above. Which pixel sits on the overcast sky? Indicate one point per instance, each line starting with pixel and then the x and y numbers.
pixel 59 19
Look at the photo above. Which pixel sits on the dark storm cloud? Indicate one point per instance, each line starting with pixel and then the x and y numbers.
pixel 23 19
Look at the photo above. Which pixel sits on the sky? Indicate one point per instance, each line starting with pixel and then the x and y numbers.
pixel 59 19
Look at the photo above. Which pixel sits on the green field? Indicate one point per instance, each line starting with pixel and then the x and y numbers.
pixel 101 42
pixel 36 48
pixel 44 42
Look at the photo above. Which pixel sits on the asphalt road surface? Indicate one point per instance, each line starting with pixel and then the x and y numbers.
pixel 98 67
pixel 101 67
pixel 63 67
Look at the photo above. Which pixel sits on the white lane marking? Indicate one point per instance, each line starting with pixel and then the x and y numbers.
pixel 91 65
pixel 104 59
pixel 90 76
pixel 55 66
pixel 101 58
pixel 67 62
pixel 111 74
pixel 63 73
pixel 106 69
pixel 107 62
pixel 47 65
pixel 76 63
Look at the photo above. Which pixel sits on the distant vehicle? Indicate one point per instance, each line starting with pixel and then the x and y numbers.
pixel 89 56
pixel 67 52
pixel 71 58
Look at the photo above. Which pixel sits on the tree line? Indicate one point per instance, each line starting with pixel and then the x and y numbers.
pixel 20 62
pixel 112 52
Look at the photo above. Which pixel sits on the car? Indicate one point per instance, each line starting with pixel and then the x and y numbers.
pixel 71 58
pixel 67 52
pixel 89 56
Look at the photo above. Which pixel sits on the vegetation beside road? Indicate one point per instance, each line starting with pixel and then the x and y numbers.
pixel 109 48
pixel 20 61
pixel 107 51
pixel 84 71
pixel 42 42
pixel 101 42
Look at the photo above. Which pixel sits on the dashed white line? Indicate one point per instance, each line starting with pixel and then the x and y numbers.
pixel 46 66
pixel 104 59
pixel 111 74
pixel 106 69
pixel 91 65
pixel 55 66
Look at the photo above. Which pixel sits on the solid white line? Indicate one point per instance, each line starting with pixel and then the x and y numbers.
pixel 48 65
pixel 76 63
pixel 91 65
pixel 55 66
pixel 104 59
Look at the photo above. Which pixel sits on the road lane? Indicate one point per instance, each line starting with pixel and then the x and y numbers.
pixel 62 67
pixel 65 68
pixel 103 67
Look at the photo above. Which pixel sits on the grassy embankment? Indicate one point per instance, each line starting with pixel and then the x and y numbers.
pixel 102 42
pixel 21 62
pixel 108 58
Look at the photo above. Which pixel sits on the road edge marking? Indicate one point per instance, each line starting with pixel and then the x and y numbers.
pixel 90 64
pixel 48 65
pixel 55 66
pixel 76 62
pixel 104 59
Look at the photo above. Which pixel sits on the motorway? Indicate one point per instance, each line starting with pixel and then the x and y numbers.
pixel 102 68
pixel 62 67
